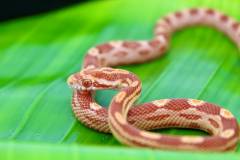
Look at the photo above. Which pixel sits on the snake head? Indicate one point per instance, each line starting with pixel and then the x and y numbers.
pixel 80 81
pixel 94 79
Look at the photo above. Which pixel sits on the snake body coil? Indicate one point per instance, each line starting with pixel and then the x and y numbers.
pixel 127 122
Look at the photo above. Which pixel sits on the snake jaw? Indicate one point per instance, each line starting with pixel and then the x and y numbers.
pixel 75 87
pixel 80 88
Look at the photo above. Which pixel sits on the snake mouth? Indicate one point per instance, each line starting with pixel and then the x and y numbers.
pixel 79 87
pixel 75 87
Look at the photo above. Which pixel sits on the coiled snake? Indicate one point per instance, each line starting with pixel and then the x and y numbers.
pixel 127 123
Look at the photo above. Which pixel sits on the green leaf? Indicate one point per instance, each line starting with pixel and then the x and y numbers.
pixel 38 53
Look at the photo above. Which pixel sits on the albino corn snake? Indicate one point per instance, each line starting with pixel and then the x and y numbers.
pixel 126 122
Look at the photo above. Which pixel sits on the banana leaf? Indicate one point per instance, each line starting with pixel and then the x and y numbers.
pixel 38 53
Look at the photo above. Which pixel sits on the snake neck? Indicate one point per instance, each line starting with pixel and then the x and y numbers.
pixel 126 98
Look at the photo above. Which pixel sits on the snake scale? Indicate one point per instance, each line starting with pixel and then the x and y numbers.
pixel 128 122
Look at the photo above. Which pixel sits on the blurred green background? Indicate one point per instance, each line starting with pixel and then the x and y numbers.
pixel 38 53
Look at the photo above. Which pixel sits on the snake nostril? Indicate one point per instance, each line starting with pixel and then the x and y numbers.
pixel 70 80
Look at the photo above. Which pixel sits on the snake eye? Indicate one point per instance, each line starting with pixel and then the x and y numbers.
pixel 86 83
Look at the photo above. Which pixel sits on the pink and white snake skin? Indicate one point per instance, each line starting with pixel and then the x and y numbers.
pixel 127 123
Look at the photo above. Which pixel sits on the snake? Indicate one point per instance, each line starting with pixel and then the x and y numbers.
pixel 131 123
